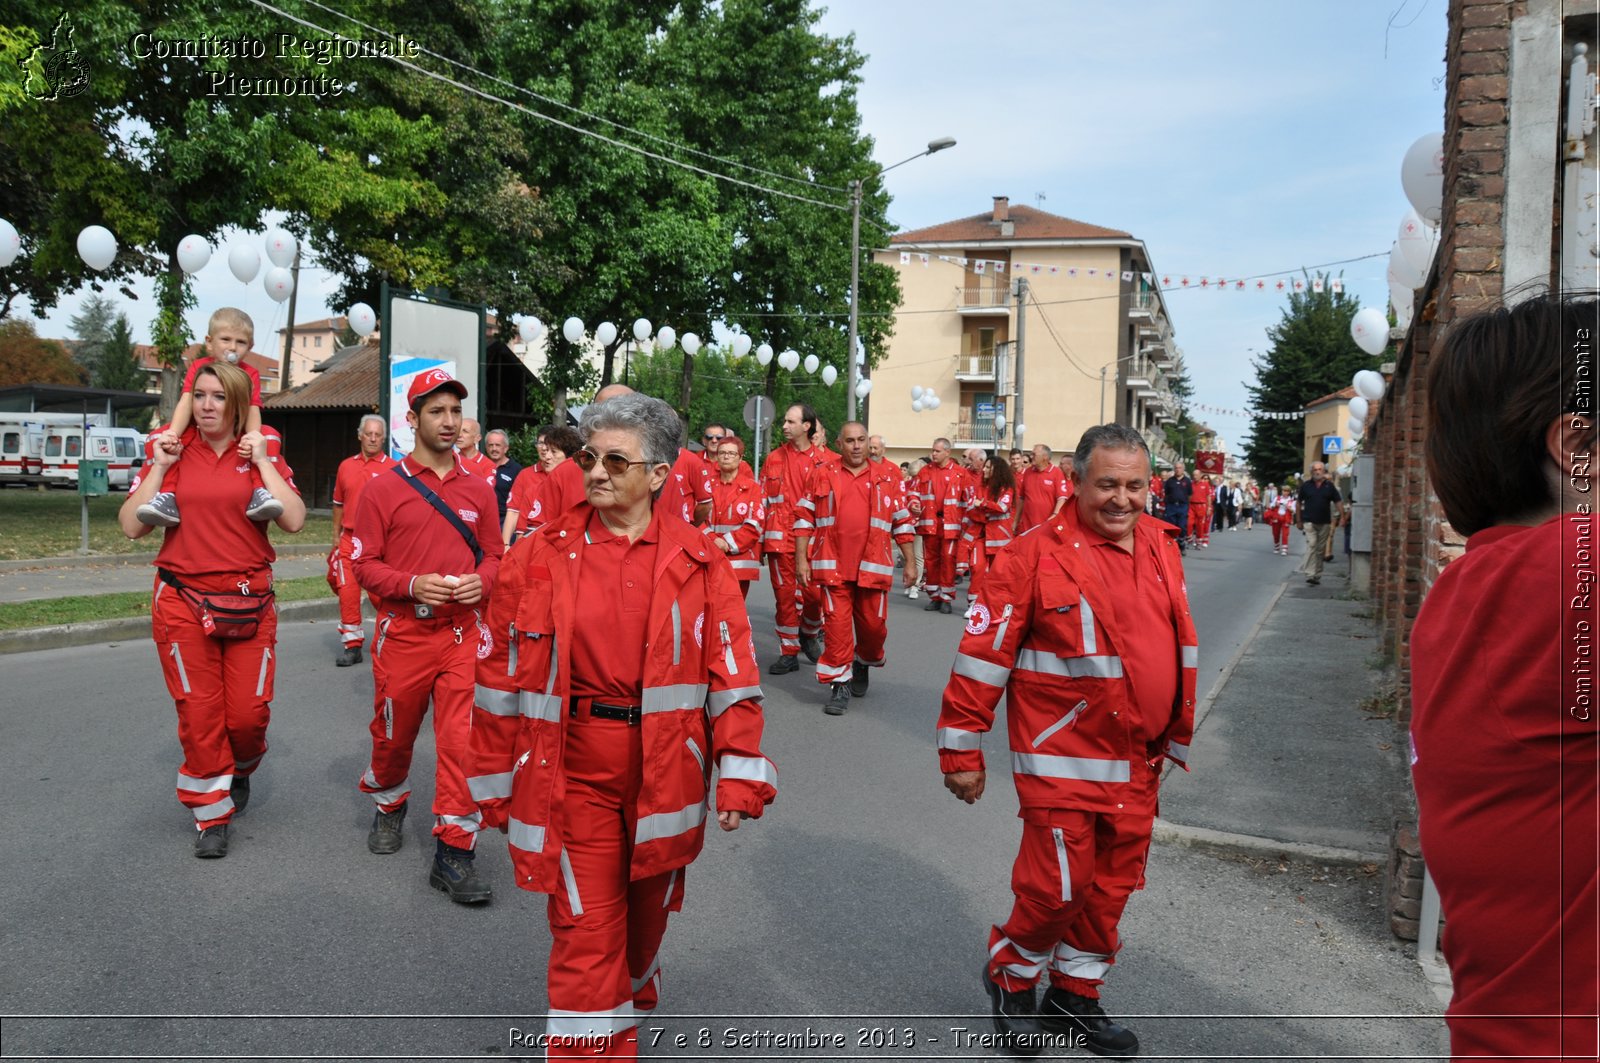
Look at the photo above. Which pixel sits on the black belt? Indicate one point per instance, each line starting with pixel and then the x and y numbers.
pixel 600 710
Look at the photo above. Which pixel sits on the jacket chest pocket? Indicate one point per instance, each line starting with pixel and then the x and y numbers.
pixel 532 639
pixel 1064 623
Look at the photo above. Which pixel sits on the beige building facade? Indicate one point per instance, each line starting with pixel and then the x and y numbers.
pixel 1030 328
pixel 1325 418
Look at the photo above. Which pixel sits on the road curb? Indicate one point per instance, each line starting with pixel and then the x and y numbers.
pixel 135 627
pixel 87 560
pixel 1250 845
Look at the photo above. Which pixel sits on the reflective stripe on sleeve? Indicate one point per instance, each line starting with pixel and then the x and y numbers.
pixel 824 564
pixel 750 769
pixel 995 675
pixel 673 698
pixel 525 836
pixel 467 824
pixel 881 524
pixel 1178 751
pixel 489 787
pixel 877 569
pixel 1069 667
pixel 190 785
pixel 1087 769
pixel 958 741
pixel 1191 656
pixel 721 700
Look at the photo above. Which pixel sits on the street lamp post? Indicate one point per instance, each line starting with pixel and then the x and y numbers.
pixel 855 265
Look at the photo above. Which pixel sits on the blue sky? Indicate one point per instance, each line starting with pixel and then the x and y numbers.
pixel 1234 138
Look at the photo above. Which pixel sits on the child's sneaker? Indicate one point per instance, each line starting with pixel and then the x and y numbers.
pixel 160 512
pixel 263 506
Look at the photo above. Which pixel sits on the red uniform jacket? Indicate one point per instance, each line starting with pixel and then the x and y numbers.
pixel 1200 495
pixel 988 521
pixel 889 519
pixel 785 475
pixel 738 518
pixel 701 701
pixel 1044 634
pixel 942 501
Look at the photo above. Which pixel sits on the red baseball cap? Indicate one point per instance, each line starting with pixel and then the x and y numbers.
pixel 433 380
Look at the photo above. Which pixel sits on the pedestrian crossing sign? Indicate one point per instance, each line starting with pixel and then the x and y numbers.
pixel 1332 444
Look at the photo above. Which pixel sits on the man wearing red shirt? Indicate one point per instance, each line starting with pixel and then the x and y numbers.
pixel 853 510
pixel 474 460
pixel 941 485
pixel 688 488
pixel 785 477
pixel 348 483
pixel 430 582
pixel 1043 488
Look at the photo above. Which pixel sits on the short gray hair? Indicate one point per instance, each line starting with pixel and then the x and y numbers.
pixel 501 432
pixel 362 427
pixel 1108 437
pixel 655 424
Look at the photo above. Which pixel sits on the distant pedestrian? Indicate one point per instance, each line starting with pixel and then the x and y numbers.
pixel 1042 490
pixel 1319 504
pixel 211 608
pixel 1200 507
pixel 1503 750
pixel 474 460
pixel 1176 492
pixel 1279 516
pixel 737 514
pixel 940 485
pixel 989 520
pixel 497 445
pixel 1247 506
pixel 349 480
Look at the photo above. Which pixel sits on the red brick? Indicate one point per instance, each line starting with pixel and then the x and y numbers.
pixel 1485 15
pixel 1478 212
pixel 1478 258
pixel 1483 162
pixel 1404 929
pixel 1483 87
pixel 1481 63
pixel 1483 39
pixel 1481 114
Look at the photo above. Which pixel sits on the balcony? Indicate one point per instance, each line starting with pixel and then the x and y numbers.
pixel 1142 306
pixel 980 364
pixel 971 430
pixel 1160 354
pixel 984 296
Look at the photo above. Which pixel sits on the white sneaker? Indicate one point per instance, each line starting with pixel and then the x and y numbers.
pixel 911 592
pixel 263 506
pixel 160 512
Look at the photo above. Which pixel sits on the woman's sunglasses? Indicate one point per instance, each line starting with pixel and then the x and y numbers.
pixel 614 464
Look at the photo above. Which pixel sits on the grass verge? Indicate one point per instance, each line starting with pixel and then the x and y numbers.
pixel 49 523
pixel 49 612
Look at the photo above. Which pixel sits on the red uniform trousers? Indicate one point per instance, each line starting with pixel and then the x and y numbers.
pixel 342 574
pixel 1072 878
pixel 1280 533
pixel 222 689
pixel 855 625
pixel 798 610
pixel 939 567
pixel 1200 523
pixel 605 930
pixel 981 560
pixel 412 661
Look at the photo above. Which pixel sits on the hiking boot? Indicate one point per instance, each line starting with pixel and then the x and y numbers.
pixel 212 843
pixel 932 606
pixel 263 506
pixel 1065 1012
pixel 784 665
pixel 240 792
pixel 946 607
pixel 454 874
pixel 348 656
pixel 838 699
pixel 386 836
pixel 859 678
pixel 1016 1017
pixel 811 646
pixel 160 512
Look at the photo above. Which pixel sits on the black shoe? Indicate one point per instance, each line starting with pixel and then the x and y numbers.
pixel 454 874
pixel 1313 580
pixel 212 843
pixel 811 646
pixel 860 676
pixel 932 606
pixel 1016 1018
pixel 240 792
pixel 1064 1012
pixel 386 837
pixel 784 665
pixel 946 607
pixel 838 699
pixel 348 656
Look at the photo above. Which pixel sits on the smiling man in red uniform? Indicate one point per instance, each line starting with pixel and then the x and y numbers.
pixel 348 483
pixel 1084 627
pixel 431 585
pixel 842 530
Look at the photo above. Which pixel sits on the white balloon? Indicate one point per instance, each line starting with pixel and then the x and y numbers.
pixel 863 387
pixel 279 283
pixel 666 338
pixel 572 329
pixel 916 391
pixel 1417 242
pixel 532 330
pixel 362 319
pixel 281 247
pixel 193 254
pixel 789 360
pixel 812 361
pixel 244 261
pixel 1370 329
pixel 933 402
pixel 1022 429
pixel 1422 176
pixel 1402 312
pixel 741 345
pixel 1402 272
pixel 1354 427
pixel 691 344
pixel 97 247
pixel 916 405
pixel 829 375
pixel 641 329
pixel 764 353
pixel 10 243
pixel 1358 408
pixel 605 333
pixel 1370 385
pixel 999 422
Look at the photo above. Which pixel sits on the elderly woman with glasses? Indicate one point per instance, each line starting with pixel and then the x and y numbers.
pixel 622 674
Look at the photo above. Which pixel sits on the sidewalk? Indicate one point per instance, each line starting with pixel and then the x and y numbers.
pixel 61 577
pixel 1286 758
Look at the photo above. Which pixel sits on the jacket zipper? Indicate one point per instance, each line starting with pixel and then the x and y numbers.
pixel 727 650
pixel 511 666
pixel 1000 630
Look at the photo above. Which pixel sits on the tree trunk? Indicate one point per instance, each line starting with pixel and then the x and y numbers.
pixel 685 386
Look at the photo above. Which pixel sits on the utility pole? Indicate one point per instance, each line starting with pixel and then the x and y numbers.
pixel 288 333
pixel 852 371
pixel 1102 394
pixel 1022 333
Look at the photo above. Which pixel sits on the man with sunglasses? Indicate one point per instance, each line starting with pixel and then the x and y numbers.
pixel 711 437
pixel 785 477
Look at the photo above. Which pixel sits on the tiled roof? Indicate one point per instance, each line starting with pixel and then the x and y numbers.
pixel 322 324
pixel 1028 223
pixel 1342 395
pixel 348 381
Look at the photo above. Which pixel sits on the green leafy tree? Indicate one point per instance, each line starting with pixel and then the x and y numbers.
pixel 1183 435
pixel 1312 354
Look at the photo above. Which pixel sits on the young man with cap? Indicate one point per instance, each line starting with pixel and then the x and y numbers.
pixel 427 545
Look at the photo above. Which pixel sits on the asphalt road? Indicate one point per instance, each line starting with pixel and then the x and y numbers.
pixel 857 908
